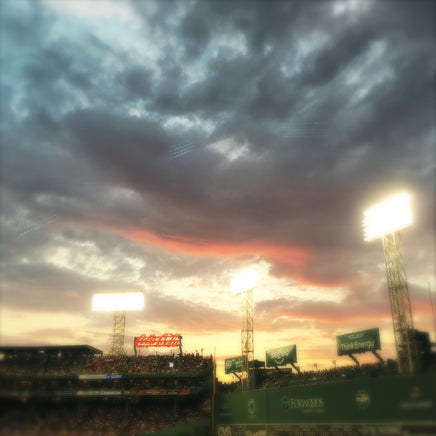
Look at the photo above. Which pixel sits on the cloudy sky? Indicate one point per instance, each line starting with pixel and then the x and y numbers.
pixel 166 146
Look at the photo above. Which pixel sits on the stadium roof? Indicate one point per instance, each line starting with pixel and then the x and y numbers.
pixel 48 349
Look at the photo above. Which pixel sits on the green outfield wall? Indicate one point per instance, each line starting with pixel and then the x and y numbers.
pixel 395 400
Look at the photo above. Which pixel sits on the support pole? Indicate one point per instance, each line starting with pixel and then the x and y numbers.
pixel 380 359
pixel 297 368
pixel 354 360
pixel 239 378
pixel 400 303
pixel 213 389
pixel 247 339
pixel 118 330
pixel 180 346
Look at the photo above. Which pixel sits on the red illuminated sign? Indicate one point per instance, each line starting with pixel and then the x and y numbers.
pixel 166 340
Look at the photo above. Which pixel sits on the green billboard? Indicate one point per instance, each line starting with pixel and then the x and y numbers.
pixel 281 356
pixel 234 364
pixel 358 342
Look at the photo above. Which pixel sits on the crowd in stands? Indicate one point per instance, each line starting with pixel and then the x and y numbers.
pixel 103 365
pixel 284 378
pixel 132 377
pixel 151 364
pixel 42 364
pixel 101 419
pixel 127 386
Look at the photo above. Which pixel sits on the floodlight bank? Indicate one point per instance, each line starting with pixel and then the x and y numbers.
pixel 113 302
pixel 389 216
pixel 244 282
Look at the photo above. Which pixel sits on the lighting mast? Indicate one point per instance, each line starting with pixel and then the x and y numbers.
pixel 119 304
pixel 385 221
pixel 244 285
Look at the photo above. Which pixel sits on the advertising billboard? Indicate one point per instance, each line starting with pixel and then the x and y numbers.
pixel 165 340
pixel 234 364
pixel 358 342
pixel 281 356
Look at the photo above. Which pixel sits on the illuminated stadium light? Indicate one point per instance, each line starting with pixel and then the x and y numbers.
pixel 389 216
pixel 244 282
pixel 385 221
pixel 119 304
pixel 123 301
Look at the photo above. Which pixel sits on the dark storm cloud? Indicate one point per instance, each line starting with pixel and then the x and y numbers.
pixel 260 22
pixel 201 189
pixel 138 82
pixel 102 133
pixel 25 22
pixel 240 83
pixel 232 77
pixel 195 31
pixel 305 191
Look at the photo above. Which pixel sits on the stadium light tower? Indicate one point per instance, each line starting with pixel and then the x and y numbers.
pixel 244 285
pixel 385 221
pixel 119 304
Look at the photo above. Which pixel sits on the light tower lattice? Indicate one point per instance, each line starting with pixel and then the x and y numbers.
pixel 247 338
pixel 384 221
pixel 401 310
pixel 118 332
pixel 118 303
pixel 244 285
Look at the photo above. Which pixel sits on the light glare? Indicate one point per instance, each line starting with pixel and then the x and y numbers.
pixel 389 216
pixel 122 301
pixel 244 282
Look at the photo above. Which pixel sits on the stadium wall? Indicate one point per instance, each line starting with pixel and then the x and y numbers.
pixel 401 401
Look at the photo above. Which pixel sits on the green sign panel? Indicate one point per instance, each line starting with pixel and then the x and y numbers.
pixel 358 342
pixel 281 356
pixel 234 364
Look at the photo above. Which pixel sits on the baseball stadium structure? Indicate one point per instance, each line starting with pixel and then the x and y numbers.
pixel 76 390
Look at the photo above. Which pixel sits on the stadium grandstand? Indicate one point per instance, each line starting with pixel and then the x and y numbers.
pixel 79 391
pixel 76 390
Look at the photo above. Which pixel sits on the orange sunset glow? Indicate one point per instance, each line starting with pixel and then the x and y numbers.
pixel 167 147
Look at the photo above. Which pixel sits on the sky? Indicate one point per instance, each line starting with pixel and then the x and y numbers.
pixel 167 146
